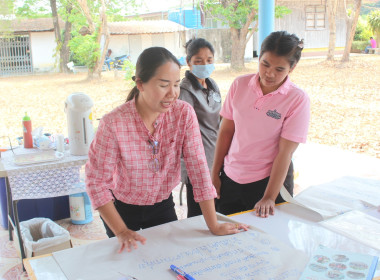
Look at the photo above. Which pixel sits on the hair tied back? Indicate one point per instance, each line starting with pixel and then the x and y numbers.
pixel 134 78
pixel 300 44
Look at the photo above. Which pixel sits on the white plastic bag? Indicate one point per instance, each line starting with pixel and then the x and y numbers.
pixel 39 234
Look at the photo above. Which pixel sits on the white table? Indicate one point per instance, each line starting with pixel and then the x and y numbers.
pixel 39 180
pixel 292 224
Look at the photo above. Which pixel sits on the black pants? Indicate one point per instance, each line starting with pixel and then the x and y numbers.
pixel 193 208
pixel 235 197
pixel 138 217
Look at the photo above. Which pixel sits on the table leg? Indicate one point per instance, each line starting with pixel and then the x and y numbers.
pixel 20 240
pixel 9 207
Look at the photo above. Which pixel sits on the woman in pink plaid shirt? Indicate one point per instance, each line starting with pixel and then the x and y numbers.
pixel 134 160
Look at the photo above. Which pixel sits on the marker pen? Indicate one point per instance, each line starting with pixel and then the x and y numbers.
pixel 181 272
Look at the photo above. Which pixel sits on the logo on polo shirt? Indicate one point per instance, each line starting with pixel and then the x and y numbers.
pixel 274 114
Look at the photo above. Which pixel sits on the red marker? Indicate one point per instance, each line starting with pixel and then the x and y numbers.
pixel 180 277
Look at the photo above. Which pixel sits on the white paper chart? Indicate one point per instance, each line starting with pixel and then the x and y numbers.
pixel 189 245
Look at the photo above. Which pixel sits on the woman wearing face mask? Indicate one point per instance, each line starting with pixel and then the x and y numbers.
pixel 201 92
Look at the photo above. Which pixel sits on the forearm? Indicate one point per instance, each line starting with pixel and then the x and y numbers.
pixel 277 176
pixel 209 214
pixel 112 218
pixel 222 147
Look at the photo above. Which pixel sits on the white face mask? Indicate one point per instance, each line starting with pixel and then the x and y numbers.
pixel 202 71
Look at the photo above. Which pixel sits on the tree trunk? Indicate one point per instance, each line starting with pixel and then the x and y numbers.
pixel 103 33
pixel 238 49
pixel 57 31
pixel 351 32
pixel 87 14
pixel 65 50
pixel 331 8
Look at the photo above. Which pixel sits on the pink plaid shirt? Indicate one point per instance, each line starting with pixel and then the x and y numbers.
pixel 120 154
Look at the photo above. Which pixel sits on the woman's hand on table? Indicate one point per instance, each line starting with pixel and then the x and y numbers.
pixel 264 207
pixel 128 239
pixel 228 228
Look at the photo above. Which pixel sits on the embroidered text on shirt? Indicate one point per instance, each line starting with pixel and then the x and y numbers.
pixel 274 114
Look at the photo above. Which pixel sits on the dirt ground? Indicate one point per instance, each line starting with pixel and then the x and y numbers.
pixel 345 101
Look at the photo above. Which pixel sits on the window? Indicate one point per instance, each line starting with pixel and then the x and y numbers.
pixel 315 17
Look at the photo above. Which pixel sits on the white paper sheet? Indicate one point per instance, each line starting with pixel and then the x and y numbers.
pixel 339 196
pixel 358 226
pixel 189 245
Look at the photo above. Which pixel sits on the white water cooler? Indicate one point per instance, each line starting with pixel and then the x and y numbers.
pixel 79 122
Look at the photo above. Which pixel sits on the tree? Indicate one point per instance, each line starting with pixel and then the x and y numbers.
pixel 38 9
pixel 374 23
pixel 96 14
pixel 238 15
pixel 352 17
pixel 331 12
pixel 62 44
pixel 6 8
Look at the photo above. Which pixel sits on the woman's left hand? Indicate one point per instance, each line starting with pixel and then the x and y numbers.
pixel 228 228
pixel 264 207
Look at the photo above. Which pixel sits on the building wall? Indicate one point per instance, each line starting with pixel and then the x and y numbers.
pixel 295 22
pixel 136 43
pixel 119 44
pixel 43 47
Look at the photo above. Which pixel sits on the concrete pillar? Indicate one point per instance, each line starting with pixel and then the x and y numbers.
pixel 266 20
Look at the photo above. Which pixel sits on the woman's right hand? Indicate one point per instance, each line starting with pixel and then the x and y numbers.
pixel 217 184
pixel 128 239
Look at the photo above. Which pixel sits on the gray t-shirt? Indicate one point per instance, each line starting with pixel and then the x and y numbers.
pixel 207 105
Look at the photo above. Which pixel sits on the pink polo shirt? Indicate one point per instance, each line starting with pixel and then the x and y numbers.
pixel 260 120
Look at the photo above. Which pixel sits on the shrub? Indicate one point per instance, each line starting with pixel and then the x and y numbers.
pixel 358 46
pixel 363 30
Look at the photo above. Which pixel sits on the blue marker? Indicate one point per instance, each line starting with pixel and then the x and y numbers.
pixel 181 272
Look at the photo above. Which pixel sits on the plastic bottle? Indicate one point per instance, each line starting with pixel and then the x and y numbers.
pixel 27 128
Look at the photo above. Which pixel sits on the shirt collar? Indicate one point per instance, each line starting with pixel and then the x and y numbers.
pixel 283 89
pixel 137 116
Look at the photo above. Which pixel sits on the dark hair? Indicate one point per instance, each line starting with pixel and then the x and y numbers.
pixel 147 63
pixel 194 45
pixel 371 37
pixel 282 43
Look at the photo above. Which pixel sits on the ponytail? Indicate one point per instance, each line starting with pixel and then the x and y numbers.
pixel 133 93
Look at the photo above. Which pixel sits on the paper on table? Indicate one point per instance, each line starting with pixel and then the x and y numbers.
pixel 37 157
pixel 339 196
pixel 189 245
pixel 357 226
pixel 327 263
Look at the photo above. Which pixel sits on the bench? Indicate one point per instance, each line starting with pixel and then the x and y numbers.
pixel 374 50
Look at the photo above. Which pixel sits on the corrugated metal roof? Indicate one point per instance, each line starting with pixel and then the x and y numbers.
pixel 144 27
pixel 124 27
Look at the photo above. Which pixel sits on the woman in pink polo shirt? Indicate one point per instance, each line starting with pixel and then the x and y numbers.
pixel 265 117
pixel 134 159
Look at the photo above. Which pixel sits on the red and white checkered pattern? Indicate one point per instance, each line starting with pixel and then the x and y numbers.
pixel 119 157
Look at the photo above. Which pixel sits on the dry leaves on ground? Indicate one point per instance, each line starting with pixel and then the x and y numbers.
pixel 345 100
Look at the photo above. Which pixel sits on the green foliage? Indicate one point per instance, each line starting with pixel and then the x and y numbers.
pixel 235 14
pixel 6 8
pixel 363 31
pixel 130 69
pixel 359 45
pixel 369 7
pixel 374 21
pixel 85 50
pixel 33 9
